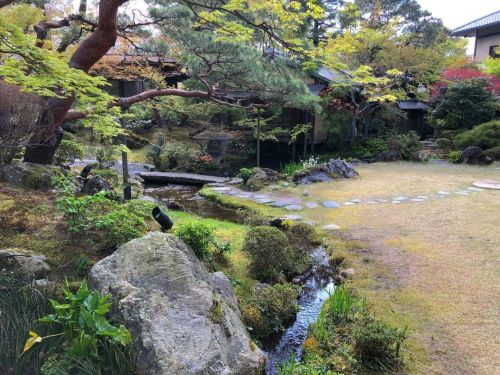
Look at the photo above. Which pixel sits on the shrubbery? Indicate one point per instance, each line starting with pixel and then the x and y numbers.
pixel 493 153
pixel 345 339
pixel 104 222
pixel 198 236
pixel 455 156
pixel 170 156
pixel 378 345
pixel 266 310
pixel 108 174
pixel 67 152
pixel 486 136
pixel 245 173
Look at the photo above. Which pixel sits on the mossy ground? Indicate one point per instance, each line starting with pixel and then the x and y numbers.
pixel 431 266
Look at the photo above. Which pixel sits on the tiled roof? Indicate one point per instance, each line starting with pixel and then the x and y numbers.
pixel 480 23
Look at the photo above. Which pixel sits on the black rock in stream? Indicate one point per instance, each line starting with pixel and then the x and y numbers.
pixel 317 287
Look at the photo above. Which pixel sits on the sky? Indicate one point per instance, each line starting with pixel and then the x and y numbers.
pixel 456 13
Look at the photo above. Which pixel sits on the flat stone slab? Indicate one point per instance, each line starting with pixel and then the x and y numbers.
pixel 311 205
pixel 443 192
pixel 396 202
pixel 348 204
pixel 293 207
pixel 279 204
pixel 264 200
pixel 291 217
pixel 182 178
pixel 330 204
pixel 356 200
pixel 244 196
pixel 400 198
pixel 474 189
pixel 261 196
pixel 418 200
pixel 330 227
pixel 490 184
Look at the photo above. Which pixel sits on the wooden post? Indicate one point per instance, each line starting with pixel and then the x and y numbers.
pixel 258 138
pixel 127 189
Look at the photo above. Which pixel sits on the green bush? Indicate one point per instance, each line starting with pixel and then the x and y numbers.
pixel 444 144
pixel 493 153
pixel 270 253
pixel 289 169
pixel 82 265
pixel 466 104
pixel 105 156
pixel 449 134
pixel 455 157
pixel 67 152
pixel 378 345
pixel 361 148
pixel 198 236
pixel 486 136
pixel 103 221
pixel 268 309
pixel 170 156
pixel 108 174
pixel 245 173
pixel 406 144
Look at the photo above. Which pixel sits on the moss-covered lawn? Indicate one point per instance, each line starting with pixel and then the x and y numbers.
pixel 432 266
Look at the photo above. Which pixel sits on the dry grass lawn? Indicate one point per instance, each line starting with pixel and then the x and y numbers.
pixel 432 266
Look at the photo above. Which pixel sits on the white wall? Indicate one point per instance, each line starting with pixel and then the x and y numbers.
pixel 484 44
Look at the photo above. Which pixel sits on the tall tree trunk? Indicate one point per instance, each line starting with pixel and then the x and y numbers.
pixel 354 129
pixel 86 55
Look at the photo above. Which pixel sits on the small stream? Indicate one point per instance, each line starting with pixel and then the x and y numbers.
pixel 317 283
pixel 187 196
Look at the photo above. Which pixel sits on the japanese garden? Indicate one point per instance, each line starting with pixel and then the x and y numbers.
pixel 248 187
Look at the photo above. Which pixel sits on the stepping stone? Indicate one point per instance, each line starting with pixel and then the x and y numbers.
pixel 330 227
pixel 349 204
pixel 279 204
pixel 356 200
pixel 234 192
pixel 293 207
pixel 461 192
pixel 443 192
pixel 264 200
pixel 305 193
pixel 261 196
pixel 330 204
pixel 396 202
pixel 244 196
pixel 474 189
pixel 400 198
pixel 417 200
pixel 372 202
pixel 291 217
pixel 381 200
pixel 491 184
pixel 221 188
pixel 422 197
pixel 311 205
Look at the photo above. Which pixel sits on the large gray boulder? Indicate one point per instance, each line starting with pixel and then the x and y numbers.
pixel 96 184
pixel 184 319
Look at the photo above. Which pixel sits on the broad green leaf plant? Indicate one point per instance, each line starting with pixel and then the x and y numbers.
pixel 83 322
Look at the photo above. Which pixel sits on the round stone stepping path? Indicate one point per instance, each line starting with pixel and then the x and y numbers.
pixel 293 207
pixel 490 184
pixel 292 217
pixel 330 204
pixel 330 227
pixel 264 200
pixel 311 205
pixel 279 204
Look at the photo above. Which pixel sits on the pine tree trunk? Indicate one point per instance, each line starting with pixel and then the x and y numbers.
pixel 258 140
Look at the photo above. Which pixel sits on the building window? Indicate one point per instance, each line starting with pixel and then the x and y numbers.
pixel 495 51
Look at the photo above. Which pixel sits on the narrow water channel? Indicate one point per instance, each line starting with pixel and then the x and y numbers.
pixel 317 287
pixel 317 284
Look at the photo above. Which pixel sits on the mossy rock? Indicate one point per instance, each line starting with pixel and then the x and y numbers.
pixel 493 153
pixel 30 175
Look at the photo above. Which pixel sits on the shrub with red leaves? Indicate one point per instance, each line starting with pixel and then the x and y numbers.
pixel 451 75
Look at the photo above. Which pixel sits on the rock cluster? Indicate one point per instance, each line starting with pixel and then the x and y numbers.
pixel 475 155
pixel 334 168
pixel 184 319
pixel 25 267
pixel 262 177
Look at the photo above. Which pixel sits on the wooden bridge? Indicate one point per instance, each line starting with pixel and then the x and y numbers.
pixel 181 178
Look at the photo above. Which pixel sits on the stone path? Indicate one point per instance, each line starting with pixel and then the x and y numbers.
pixel 308 202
